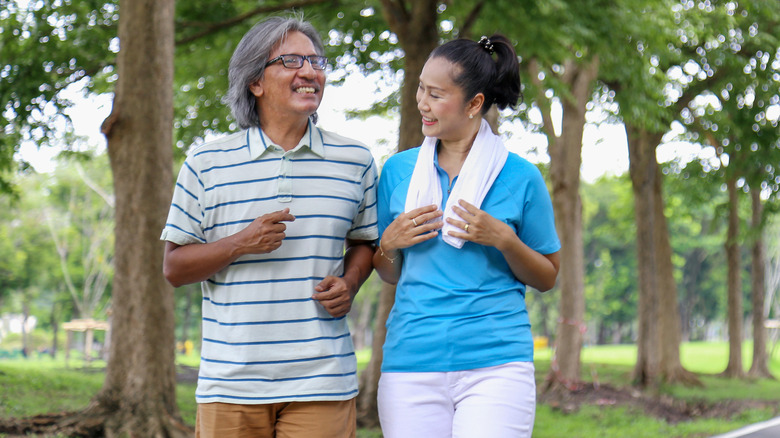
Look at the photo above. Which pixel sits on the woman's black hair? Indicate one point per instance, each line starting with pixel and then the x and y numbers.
pixel 478 72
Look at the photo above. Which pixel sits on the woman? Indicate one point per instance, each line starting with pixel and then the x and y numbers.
pixel 465 226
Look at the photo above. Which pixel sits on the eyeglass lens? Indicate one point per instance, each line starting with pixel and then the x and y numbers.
pixel 296 61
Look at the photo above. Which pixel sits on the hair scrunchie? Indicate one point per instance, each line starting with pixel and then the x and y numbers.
pixel 486 44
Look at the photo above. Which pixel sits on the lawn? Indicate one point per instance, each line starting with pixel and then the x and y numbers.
pixel 43 385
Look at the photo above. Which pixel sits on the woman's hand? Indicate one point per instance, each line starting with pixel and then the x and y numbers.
pixel 480 227
pixel 411 228
pixel 532 268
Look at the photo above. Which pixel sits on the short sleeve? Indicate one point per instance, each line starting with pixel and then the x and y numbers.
pixel 185 217
pixel 364 226
pixel 538 228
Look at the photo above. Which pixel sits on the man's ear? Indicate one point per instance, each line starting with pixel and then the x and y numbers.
pixel 256 88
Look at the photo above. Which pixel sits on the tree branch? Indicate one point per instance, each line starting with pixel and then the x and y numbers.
pixel 213 28
pixel 543 102
pixel 471 18
pixel 396 15
pixel 109 198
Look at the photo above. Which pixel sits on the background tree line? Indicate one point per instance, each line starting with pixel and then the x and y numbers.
pixel 655 256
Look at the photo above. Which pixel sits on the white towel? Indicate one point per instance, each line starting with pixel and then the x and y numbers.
pixel 483 164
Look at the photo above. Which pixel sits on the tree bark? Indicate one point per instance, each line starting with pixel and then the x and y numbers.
pixel 734 283
pixel 643 171
pixel 565 161
pixel 692 277
pixel 417 34
pixel 363 324
pixel 658 341
pixel 760 365
pixel 138 397
pixel 672 370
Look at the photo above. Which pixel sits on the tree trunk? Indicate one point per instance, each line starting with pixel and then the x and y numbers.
pixel 658 341
pixel 363 324
pixel 138 397
pixel 565 161
pixel 417 34
pixel 734 284
pixel 692 277
pixel 643 172
pixel 190 292
pixel 760 364
pixel 55 328
pixel 367 409
pixel 25 335
pixel 672 370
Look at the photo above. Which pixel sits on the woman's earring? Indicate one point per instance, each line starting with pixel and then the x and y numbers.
pixel 471 116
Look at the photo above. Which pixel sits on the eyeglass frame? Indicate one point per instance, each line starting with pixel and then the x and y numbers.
pixel 302 58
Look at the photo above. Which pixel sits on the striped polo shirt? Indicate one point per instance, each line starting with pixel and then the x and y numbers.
pixel 265 340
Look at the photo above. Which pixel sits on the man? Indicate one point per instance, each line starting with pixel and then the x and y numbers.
pixel 261 218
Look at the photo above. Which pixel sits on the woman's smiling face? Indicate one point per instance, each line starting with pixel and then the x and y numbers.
pixel 441 103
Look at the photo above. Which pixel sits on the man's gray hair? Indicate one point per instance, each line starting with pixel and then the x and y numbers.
pixel 247 64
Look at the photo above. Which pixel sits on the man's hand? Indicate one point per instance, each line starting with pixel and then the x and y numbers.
pixel 334 295
pixel 265 234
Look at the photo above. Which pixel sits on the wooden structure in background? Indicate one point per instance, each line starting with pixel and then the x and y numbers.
pixel 88 326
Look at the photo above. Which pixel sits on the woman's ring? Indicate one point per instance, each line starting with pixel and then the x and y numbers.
pixel 414 222
pixel 466 228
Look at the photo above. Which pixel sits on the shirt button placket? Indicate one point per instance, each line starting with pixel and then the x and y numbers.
pixel 284 191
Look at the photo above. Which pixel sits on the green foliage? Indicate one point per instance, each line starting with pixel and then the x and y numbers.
pixel 610 257
pixel 75 39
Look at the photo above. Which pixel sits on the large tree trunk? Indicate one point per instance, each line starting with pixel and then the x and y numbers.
pixel 658 342
pixel 565 161
pixel 138 397
pixel 760 364
pixel 734 284
pixel 417 34
pixel 416 28
pixel 672 370
pixel 643 170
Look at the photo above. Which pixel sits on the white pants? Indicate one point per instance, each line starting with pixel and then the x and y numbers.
pixel 495 402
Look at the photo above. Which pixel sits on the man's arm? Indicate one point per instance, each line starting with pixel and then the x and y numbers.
pixel 184 264
pixel 336 293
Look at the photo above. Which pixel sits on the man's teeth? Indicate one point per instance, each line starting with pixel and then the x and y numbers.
pixel 305 90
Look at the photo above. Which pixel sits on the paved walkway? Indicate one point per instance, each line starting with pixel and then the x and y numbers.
pixel 767 429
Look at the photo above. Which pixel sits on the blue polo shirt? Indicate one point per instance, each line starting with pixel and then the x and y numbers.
pixel 460 309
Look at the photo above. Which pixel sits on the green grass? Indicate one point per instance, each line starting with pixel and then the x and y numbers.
pixel 620 422
pixel 43 385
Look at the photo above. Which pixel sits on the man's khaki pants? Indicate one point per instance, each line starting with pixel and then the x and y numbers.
pixel 324 419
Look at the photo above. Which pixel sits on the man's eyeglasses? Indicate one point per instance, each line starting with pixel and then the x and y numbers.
pixel 296 61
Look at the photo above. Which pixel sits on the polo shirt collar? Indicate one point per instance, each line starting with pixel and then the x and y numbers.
pixel 259 142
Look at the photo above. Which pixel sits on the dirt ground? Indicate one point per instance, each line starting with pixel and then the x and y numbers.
pixel 667 408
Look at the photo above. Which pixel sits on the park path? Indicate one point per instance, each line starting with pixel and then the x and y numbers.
pixel 766 429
